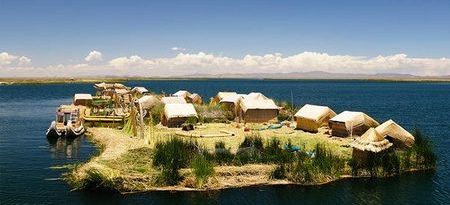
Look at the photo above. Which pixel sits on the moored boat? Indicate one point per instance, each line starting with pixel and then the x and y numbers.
pixel 68 122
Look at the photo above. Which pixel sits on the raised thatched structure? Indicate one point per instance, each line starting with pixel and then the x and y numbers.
pixel 370 142
pixel 182 93
pixel 311 117
pixel 257 111
pixel 139 90
pixel 231 103
pixel 119 93
pixel 82 99
pixel 256 96
pixel 351 123
pixel 148 101
pixel 195 98
pixel 396 134
pixel 220 95
pixel 176 114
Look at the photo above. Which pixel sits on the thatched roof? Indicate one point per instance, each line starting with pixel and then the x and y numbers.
pixel 179 110
pixel 82 96
pixel 392 129
pixel 173 100
pixel 182 93
pixel 371 141
pixel 221 95
pixel 352 119
pixel 148 101
pixel 256 96
pixel 121 91
pixel 253 104
pixel 231 99
pixel 68 108
pixel 140 90
pixel 194 97
pixel 314 112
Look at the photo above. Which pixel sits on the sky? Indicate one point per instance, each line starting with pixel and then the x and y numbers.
pixel 165 38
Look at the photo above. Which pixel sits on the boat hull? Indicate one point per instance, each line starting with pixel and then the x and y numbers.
pixel 53 132
pixel 68 131
pixel 72 131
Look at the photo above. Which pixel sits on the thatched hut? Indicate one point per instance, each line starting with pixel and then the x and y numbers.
pixel 311 117
pixel 231 103
pixel 139 91
pixel 182 93
pixel 220 95
pixel 351 123
pixel 257 111
pixel 195 98
pixel 396 134
pixel 119 93
pixel 370 142
pixel 256 96
pixel 148 101
pixel 176 114
pixel 82 99
pixel 173 100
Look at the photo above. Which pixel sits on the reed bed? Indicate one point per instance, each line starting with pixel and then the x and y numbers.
pixel 169 162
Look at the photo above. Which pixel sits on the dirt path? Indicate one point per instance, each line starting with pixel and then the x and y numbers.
pixel 114 142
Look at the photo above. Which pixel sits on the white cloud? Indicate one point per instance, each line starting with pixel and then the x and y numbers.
pixel 94 56
pixel 81 65
pixel 132 61
pixel 177 49
pixel 13 60
pixel 23 61
pixel 190 63
pixel 6 58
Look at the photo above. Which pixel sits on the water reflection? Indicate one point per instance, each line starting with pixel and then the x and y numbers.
pixel 65 147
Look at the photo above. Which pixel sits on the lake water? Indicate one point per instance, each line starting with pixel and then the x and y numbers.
pixel 26 156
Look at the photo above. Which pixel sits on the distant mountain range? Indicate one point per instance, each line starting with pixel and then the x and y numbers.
pixel 319 75
pixel 316 75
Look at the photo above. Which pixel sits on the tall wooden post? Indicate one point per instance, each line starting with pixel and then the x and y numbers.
pixel 141 120
pixel 133 119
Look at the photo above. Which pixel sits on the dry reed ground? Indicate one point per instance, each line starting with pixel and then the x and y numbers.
pixel 135 172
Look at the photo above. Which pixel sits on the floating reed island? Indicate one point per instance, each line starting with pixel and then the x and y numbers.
pixel 177 142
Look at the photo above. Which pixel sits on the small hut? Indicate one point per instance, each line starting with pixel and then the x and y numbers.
pixel 351 123
pixel 311 117
pixel 396 134
pixel 370 142
pixel 220 95
pixel 119 93
pixel 82 99
pixel 195 98
pixel 256 96
pixel 148 101
pixel 139 91
pixel 257 111
pixel 176 114
pixel 173 100
pixel 231 103
pixel 182 93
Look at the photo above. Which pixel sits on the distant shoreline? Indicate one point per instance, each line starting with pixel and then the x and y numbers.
pixel 26 81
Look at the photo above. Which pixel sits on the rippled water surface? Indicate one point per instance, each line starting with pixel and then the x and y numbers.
pixel 26 156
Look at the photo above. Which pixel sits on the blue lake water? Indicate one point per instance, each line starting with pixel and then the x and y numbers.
pixel 25 154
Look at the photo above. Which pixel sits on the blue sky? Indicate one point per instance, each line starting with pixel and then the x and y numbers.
pixel 63 32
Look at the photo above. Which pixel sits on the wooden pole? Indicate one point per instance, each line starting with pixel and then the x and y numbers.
pixel 133 120
pixel 141 120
